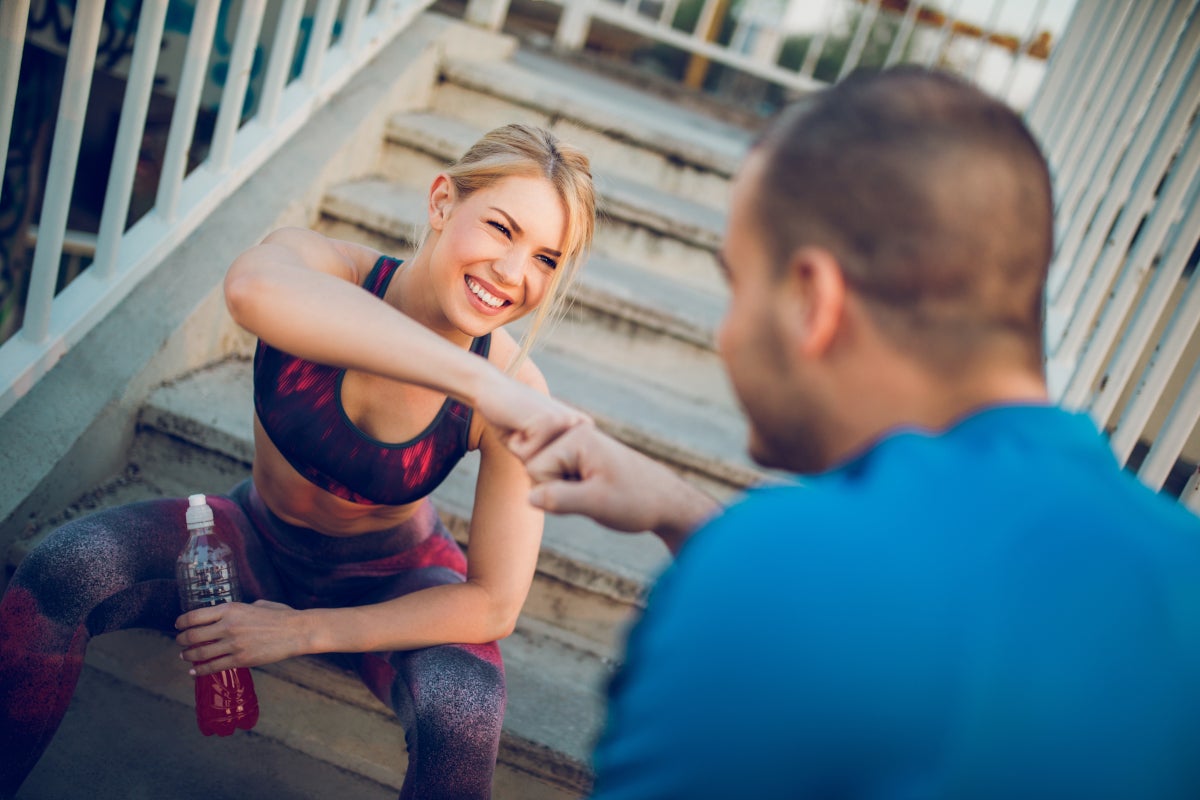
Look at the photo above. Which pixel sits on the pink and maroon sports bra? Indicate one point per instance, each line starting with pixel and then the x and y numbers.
pixel 299 404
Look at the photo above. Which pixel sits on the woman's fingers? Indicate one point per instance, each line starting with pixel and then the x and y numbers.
pixel 212 666
pixel 200 616
pixel 205 652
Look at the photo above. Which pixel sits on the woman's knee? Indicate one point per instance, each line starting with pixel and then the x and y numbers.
pixel 86 561
pixel 456 694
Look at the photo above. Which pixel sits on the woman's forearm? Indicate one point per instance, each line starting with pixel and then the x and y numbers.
pixel 321 317
pixel 462 613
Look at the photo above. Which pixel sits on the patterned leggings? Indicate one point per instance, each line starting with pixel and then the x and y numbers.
pixel 116 569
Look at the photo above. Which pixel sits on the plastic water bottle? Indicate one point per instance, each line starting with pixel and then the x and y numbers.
pixel 207 576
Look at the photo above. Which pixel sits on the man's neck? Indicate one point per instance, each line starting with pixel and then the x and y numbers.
pixel 915 399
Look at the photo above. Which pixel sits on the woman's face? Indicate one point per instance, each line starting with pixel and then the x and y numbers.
pixel 496 251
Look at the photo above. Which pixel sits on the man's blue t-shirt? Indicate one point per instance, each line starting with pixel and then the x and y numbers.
pixel 995 611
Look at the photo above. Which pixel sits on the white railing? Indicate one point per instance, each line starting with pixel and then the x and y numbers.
pixel 1118 118
pixel 55 320
pixel 1003 48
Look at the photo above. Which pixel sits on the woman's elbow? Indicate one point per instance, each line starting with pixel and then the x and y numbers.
pixel 501 621
pixel 505 628
pixel 242 287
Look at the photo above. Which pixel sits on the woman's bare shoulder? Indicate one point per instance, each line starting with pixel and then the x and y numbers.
pixel 346 259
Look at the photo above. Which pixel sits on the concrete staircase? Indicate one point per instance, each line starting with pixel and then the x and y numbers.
pixel 635 351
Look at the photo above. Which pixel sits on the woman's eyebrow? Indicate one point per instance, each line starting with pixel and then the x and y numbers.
pixel 517 229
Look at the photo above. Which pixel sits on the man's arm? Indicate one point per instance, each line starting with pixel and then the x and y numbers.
pixel 584 471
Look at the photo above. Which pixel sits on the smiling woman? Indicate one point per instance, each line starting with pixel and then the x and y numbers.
pixel 366 376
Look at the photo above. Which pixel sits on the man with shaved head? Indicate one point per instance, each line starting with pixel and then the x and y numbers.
pixel 964 596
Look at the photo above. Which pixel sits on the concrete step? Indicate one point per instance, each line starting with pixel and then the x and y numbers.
pixel 639 221
pixel 646 301
pixel 624 131
pixel 312 707
pixel 120 742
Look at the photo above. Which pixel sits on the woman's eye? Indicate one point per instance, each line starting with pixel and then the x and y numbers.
pixel 501 227
pixel 548 261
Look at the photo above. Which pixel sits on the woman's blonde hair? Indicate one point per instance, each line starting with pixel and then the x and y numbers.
pixel 526 150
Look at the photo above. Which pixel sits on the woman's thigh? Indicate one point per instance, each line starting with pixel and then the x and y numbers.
pixel 115 568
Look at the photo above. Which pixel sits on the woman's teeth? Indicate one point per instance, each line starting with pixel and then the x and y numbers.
pixel 484 295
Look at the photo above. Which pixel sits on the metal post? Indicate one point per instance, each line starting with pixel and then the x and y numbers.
pixel 1163 362
pixel 352 22
pixel 707 28
pixel 64 159
pixel 233 97
pixel 1127 103
pixel 318 42
pixel 1102 97
pixel 1088 69
pixel 903 33
pixel 1089 282
pixel 1153 306
pixel 1061 68
pixel 283 48
pixel 129 136
pixel 988 29
pixel 865 21
pixel 945 36
pixel 1190 496
pixel 1085 234
pixel 489 14
pixel 1180 422
pixel 13 15
pixel 812 55
pixel 1022 46
pixel 1137 264
pixel 572 31
pixel 187 104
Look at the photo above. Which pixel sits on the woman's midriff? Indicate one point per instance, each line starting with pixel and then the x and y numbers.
pixel 298 501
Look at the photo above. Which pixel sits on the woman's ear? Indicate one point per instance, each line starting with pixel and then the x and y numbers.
pixel 812 299
pixel 441 200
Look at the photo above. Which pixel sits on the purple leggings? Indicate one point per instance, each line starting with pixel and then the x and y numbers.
pixel 116 569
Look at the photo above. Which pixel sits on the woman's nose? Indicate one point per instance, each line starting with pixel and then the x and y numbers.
pixel 509 268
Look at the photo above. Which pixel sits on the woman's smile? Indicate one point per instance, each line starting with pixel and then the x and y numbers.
pixel 486 297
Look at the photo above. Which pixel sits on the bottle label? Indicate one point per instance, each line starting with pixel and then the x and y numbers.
pixel 208 584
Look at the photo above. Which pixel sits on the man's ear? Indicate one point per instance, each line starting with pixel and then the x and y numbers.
pixel 441 200
pixel 812 298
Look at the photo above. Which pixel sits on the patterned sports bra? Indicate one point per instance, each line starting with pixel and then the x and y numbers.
pixel 299 404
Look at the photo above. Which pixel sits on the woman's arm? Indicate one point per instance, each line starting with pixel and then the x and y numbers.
pixel 505 537
pixel 302 292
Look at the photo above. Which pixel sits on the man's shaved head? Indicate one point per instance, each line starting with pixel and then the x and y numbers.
pixel 934 198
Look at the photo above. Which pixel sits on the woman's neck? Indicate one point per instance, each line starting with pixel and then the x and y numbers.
pixel 412 293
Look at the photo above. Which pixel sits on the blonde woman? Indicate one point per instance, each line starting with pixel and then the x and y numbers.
pixel 366 376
